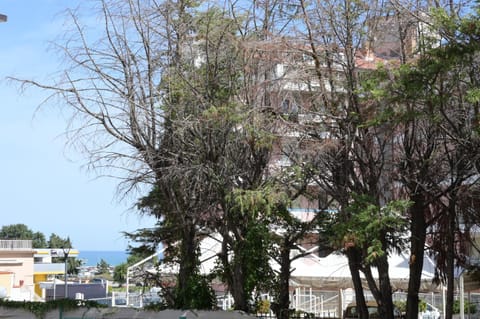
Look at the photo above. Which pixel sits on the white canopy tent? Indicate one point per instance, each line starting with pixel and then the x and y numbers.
pixel 332 272
pixel 328 273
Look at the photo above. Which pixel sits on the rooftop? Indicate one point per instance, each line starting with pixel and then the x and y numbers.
pixel 14 244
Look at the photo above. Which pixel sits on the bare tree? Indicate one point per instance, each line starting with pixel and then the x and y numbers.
pixel 123 85
pixel 110 85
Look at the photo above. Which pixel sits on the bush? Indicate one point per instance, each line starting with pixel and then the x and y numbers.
pixel 402 305
pixel 197 295
pixel 39 309
pixel 468 306
pixel 263 306
pixel 422 306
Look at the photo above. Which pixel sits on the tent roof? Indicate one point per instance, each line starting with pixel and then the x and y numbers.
pixel 336 265
pixel 330 272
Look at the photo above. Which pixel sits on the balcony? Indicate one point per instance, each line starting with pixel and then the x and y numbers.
pixel 15 245
pixel 46 268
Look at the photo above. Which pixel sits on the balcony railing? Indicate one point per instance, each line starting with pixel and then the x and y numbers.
pixel 7 244
pixel 55 268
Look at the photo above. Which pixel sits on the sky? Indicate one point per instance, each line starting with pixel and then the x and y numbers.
pixel 43 184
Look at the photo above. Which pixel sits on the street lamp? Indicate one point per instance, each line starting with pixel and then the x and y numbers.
pixel 66 251
pixel 3 18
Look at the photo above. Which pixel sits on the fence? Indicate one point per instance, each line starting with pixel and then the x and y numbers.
pixel 135 299
pixel 14 244
pixel 305 302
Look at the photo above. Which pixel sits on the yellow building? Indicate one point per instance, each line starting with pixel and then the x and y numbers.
pixel 44 269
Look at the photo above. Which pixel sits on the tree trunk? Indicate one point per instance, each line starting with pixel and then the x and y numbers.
pixel 234 274
pixel 385 304
pixel 418 229
pixel 383 291
pixel 450 260
pixel 283 299
pixel 237 288
pixel 354 262
pixel 188 265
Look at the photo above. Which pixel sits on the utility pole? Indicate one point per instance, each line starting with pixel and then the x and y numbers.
pixel 66 251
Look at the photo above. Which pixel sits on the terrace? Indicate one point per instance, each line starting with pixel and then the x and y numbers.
pixel 15 245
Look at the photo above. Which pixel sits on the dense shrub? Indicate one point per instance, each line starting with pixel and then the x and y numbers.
pixel 39 309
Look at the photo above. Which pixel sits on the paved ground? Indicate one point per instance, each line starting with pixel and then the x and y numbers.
pixel 124 313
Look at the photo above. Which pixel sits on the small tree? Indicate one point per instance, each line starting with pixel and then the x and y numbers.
pixel 120 273
pixel 103 268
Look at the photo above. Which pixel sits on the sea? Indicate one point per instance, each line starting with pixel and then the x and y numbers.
pixel 93 257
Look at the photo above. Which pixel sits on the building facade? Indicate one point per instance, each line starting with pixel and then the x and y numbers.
pixel 16 269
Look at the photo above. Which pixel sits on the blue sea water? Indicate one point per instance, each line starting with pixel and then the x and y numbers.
pixel 93 257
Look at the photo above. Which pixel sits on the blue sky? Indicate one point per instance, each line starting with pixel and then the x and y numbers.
pixel 42 183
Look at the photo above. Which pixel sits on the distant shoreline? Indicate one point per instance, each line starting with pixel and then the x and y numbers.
pixel 93 257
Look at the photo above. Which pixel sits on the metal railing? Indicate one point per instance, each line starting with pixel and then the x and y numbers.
pixel 14 244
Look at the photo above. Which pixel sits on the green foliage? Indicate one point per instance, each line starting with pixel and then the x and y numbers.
pixel 469 307
pixel 255 258
pixel 103 267
pixel 257 203
pixel 372 84
pixel 120 273
pixel 156 306
pixel 445 22
pixel 198 294
pixel 473 95
pixel 56 241
pixel 369 226
pixel 22 232
pixel 263 306
pixel 40 309
pixel 73 265
pixel 38 240
pixel 252 211
pixel 422 305
pixel 402 305
pixel 136 255
pixel 197 84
